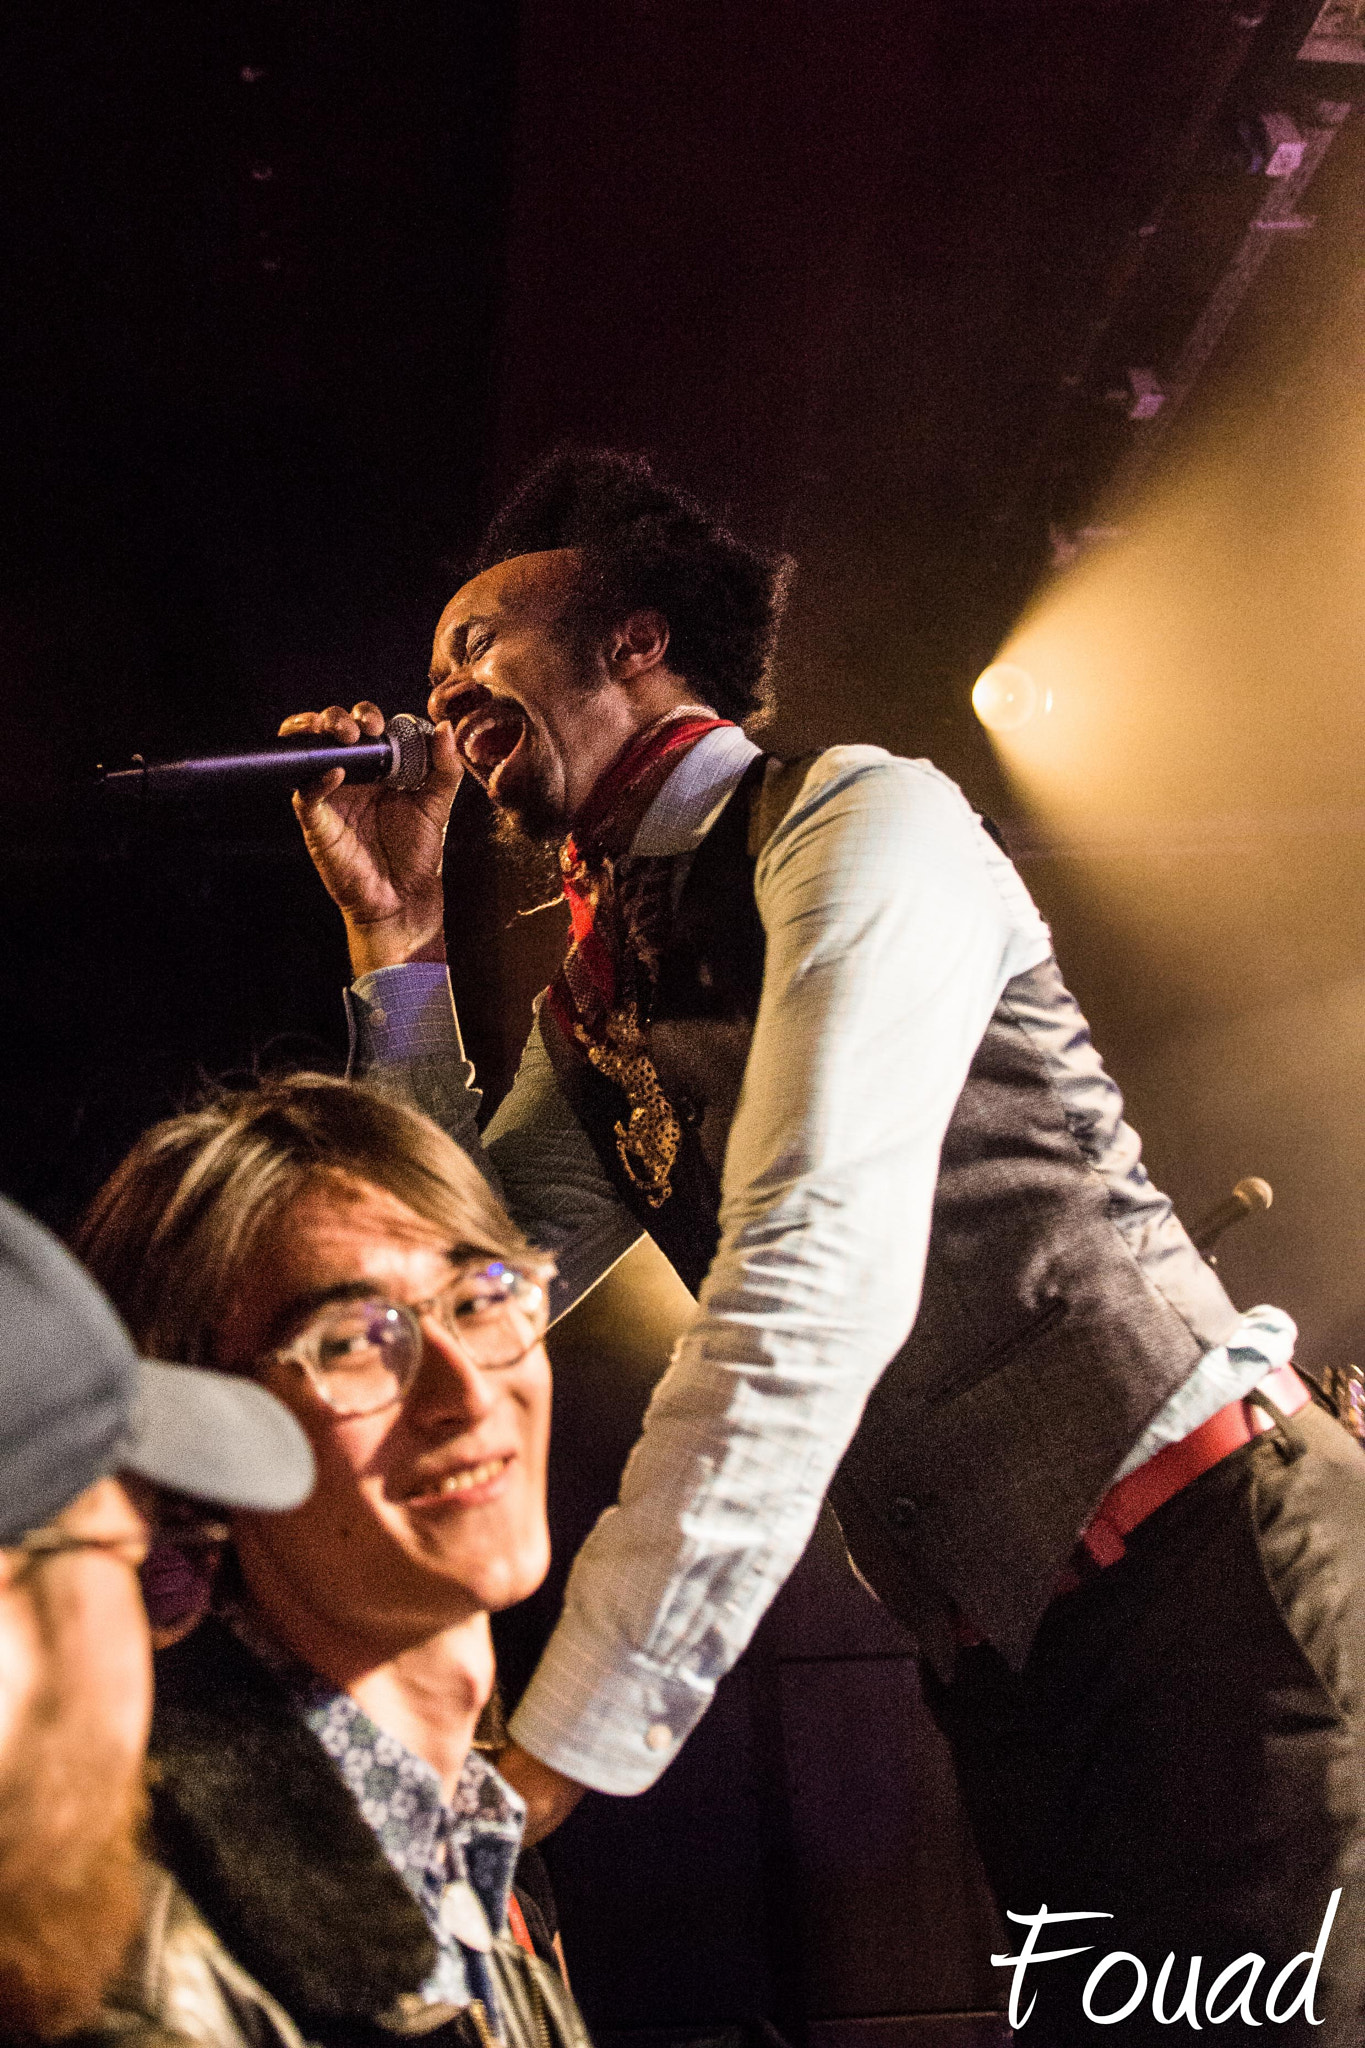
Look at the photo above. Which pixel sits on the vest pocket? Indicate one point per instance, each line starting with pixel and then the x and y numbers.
pixel 1003 1353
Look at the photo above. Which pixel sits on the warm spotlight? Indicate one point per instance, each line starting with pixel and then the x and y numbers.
pixel 1005 697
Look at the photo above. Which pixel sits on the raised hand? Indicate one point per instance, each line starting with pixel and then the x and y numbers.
pixel 378 848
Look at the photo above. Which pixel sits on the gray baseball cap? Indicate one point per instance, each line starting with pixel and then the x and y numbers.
pixel 77 1402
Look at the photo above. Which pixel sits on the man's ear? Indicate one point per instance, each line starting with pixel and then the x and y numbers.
pixel 638 645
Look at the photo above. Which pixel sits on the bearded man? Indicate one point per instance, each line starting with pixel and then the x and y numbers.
pixel 810 1036
pixel 90 1432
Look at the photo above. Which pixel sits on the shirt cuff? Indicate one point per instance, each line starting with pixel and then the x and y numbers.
pixel 404 1034
pixel 611 1723
pixel 397 1012
pixel 1264 1339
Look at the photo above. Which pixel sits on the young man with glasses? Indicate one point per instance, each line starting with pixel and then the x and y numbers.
pixel 90 1432
pixel 318 1804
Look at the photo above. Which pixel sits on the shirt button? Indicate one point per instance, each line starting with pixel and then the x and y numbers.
pixel 659 1736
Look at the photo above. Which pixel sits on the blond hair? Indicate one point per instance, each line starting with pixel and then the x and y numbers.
pixel 172 1229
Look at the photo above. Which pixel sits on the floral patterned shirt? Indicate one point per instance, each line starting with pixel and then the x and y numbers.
pixel 456 1859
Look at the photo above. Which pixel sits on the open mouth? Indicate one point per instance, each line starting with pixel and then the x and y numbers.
pixel 489 733
pixel 467 1486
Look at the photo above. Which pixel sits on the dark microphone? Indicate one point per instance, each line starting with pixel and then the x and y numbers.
pixel 398 756
pixel 1249 1196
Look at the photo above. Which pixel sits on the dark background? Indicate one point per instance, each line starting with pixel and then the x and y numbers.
pixel 297 291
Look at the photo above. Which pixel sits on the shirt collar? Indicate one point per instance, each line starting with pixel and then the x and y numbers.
pixel 476 1837
pixel 685 809
pixel 437 1849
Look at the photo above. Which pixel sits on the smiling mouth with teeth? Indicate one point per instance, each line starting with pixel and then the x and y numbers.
pixel 456 1485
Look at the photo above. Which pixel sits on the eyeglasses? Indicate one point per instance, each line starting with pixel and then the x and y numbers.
pixel 361 1356
pixel 37 1544
pixel 185 1528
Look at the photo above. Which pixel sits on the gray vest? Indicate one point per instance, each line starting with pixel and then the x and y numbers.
pixel 1041 1349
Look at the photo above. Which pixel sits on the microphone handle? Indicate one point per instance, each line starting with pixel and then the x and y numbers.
pixel 1249 1198
pixel 398 756
pixel 1205 1234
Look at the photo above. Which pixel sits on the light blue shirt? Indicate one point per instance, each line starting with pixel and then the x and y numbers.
pixel 893 923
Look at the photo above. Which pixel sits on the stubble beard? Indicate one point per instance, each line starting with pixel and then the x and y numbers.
pixel 529 829
pixel 530 855
pixel 70 1896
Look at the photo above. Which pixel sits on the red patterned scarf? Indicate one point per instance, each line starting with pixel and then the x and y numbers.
pixel 600 997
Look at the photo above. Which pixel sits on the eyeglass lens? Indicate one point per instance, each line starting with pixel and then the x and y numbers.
pixel 363 1355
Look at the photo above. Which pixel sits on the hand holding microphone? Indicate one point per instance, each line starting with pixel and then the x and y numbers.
pixel 378 845
pixel 399 755
pixel 374 819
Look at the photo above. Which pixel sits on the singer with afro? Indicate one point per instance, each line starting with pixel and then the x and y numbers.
pixel 810 1035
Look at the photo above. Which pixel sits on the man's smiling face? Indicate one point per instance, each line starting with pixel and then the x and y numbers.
pixel 522 694
pixel 428 1511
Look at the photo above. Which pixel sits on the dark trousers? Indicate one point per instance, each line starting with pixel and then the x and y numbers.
pixel 1185 1750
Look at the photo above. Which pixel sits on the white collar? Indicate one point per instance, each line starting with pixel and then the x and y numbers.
pixel 686 807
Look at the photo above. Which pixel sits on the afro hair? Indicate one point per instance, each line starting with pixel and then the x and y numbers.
pixel 646 545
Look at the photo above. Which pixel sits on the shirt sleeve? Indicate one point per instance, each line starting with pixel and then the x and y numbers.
pixel 405 1038
pixel 889 939
pixel 553 1181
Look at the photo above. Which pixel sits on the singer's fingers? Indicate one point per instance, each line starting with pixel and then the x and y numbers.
pixel 309 795
pixel 445 769
pixel 368 717
pixel 336 720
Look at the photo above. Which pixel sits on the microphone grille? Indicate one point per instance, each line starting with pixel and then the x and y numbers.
pixel 409 735
pixel 1255 1192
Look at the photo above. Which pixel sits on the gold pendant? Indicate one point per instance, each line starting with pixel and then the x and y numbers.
pixel 647 1143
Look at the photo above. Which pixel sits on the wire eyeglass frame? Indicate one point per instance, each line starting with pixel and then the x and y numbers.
pixel 528 1295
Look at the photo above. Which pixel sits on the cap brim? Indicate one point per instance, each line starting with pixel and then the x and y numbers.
pixel 219 1438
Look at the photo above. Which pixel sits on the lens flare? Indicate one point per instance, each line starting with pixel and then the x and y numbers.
pixel 1005 697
